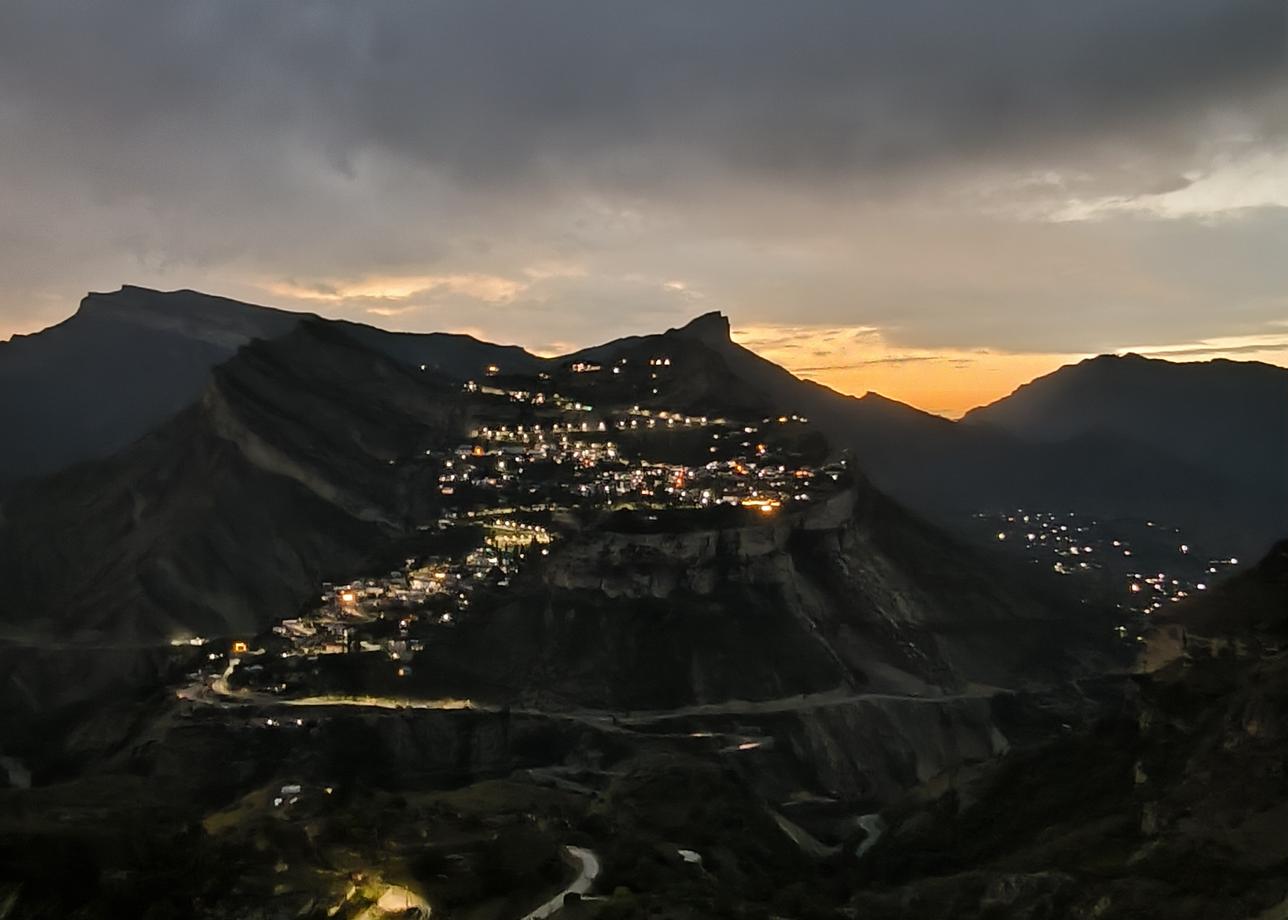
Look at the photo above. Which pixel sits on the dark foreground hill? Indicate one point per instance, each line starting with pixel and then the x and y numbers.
pixel 1175 809
pixel 711 703
pixel 304 461
pixel 855 595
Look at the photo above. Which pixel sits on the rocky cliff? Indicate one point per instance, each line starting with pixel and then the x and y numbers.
pixel 1172 808
pixel 854 594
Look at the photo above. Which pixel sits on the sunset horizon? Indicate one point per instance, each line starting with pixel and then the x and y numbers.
pixel 643 460
pixel 851 360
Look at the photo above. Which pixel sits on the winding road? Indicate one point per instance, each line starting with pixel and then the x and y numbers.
pixel 222 693
pixel 589 871
pixel 874 825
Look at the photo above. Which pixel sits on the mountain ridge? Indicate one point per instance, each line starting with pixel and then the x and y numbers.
pixel 942 468
pixel 1195 410
pixel 140 542
pixel 306 460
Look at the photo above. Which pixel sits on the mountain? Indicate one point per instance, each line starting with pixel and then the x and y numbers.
pixel 121 365
pixel 297 464
pixel 949 470
pixel 860 646
pixel 1173 808
pixel 176 357
pixel 235 509
pixel 1247 615
pixel 128 360
pixel 1226 417
pixel 854 593
pixel 723 652
pixel 1197 445
pixel 454 355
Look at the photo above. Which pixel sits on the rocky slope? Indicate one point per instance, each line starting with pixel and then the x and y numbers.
pixel 131 359
pixel 948 469
pixel 854 594
pixel 798 671
pixel 1174 809
pixel 124 363
pixel 229 515
pixel 1223 416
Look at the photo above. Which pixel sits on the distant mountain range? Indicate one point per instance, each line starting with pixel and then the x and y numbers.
pixel 1203 445
pixel 292 466
pixel 181 461
pixel 186 466
pixel 275 477
pixel 1226 417
pixel 129 360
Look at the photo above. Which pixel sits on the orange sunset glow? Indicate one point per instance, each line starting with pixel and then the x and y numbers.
pixel 947 383
pixel 950 382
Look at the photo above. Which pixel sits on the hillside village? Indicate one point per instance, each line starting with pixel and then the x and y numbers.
pixel 535 467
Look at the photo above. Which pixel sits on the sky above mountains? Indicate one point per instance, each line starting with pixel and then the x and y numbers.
pixel 932 199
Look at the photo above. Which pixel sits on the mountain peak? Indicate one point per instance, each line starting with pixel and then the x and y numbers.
pixel 218 321
pixel 136 295
pixel 128 295
pixel 712 328
pixel 1126 360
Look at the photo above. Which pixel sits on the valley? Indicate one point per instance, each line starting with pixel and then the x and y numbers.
pixel 628 633
pixel 738 460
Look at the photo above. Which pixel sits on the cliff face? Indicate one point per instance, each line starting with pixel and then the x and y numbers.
pixel 1172 809
pixel 657 565
pixel 853 595
pixel 866 751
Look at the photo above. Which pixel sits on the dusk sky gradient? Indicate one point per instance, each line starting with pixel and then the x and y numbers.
pixel 933 199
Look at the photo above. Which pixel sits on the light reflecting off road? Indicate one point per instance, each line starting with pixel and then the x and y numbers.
pixel 586 875
pixel 874 825
pixel 380 702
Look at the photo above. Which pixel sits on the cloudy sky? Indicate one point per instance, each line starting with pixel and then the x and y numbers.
pixel 930 198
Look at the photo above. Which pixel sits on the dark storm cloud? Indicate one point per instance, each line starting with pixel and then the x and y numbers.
pixel 238 141
pixel 490 90
pixel 496 91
